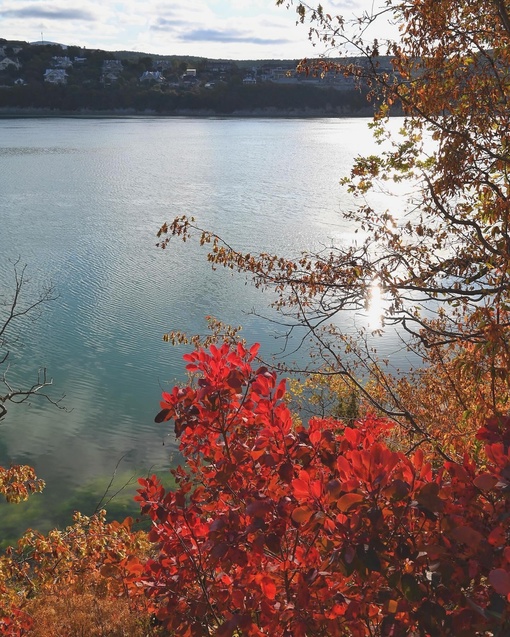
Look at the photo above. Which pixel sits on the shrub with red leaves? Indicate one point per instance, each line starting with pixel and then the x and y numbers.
pixel 285 530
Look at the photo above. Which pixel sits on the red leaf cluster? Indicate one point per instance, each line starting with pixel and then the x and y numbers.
pixel 282 529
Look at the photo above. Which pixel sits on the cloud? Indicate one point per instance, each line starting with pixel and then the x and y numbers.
pixel 216 35
pixel 165 24
pixel 236 29
pixel 48 13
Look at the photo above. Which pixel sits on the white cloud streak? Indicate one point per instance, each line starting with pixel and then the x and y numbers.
pixel 233 29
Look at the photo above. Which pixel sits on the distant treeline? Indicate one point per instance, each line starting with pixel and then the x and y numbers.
pixel 223 99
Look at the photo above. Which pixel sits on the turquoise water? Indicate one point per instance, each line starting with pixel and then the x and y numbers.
pixel 80 204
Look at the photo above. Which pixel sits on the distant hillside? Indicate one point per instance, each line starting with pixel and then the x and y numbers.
pixel 50 78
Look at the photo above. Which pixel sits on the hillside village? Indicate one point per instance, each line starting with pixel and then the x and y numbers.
pixel 45 75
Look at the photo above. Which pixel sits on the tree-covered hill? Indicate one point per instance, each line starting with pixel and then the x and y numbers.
pixel 54 79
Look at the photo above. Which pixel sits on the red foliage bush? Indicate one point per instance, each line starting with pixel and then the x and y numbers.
pixel 281 529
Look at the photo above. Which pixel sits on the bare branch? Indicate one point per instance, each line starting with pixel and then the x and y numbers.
pixel 21 306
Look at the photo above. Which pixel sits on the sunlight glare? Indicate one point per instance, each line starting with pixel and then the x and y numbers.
pixel 375 306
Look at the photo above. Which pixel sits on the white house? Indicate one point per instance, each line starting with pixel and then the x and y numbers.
pixel 55 76
pixel 61 62
pixel 147 76
pixel 112 66
pixel 112 70
pixel 6 62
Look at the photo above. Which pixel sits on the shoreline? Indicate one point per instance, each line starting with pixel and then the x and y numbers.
pixel 266 113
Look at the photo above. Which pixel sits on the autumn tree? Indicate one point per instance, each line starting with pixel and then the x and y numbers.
pixel 441 260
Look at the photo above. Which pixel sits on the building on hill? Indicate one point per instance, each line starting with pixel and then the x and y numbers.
pixel 154 76
pixel 111 71
pixel 110 66
pixel 61 62
pixel 55 76
pixel 219 67
pixel 8 62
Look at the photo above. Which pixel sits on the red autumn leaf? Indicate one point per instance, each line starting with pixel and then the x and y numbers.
pixel 254 349
pixel 259 508
pixel 280 390
pixel 315 436
pixel 485 481
pixel 500 581
pixel 286 471
pixel 225 579
pixel 353 436
pixel 268 587
pixel 235 380
pixel 301 485
pixel 467 535
pixel 316 488
pixel 162 415
pixel 497 537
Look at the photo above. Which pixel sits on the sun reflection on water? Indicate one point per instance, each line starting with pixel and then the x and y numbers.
pixel 375 306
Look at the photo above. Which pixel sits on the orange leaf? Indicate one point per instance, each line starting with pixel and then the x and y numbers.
pixel 302 515
pixel 348 500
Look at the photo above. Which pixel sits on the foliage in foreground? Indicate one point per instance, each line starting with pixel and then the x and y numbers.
pixel 74 582
pixel 321 530
pixel 280 528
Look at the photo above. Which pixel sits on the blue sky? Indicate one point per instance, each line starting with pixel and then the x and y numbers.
pixel 230 29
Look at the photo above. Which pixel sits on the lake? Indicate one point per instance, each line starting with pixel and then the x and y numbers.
pixel 81 201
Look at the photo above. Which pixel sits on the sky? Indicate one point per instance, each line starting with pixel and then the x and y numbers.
pixel 221 29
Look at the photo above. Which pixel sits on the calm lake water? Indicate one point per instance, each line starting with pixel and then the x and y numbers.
pixel 80 203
